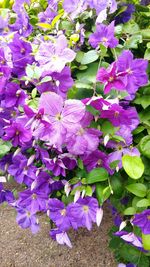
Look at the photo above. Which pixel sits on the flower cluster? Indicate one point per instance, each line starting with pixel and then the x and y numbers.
pixel 58 145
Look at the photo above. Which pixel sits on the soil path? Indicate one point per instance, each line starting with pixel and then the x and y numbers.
pixel 19 248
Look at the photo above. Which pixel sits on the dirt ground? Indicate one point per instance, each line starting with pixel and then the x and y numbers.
pixel 19 248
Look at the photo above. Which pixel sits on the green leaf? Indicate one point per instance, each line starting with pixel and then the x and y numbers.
pixel 137 189
pixel 133 166
pixel 143 203
pixel 129 211
pixel 4 147
pixel 108 128
pixel 146 241
pixel 117 185
pixel 144 146
pixel 90 57
pixel 97 175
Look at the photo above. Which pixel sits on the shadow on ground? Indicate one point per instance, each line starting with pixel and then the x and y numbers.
pixel 19 248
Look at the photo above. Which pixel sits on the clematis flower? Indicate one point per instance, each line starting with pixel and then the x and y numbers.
pixel 96 159
pixel 84 211
pixel 59 83
pixel 49 14
pixel 103 35
pixel 61 237
pixel 111 78
pixel 5 195
pixel 63 116
pixel 84 140
pixel 131 238
pixel 53 56
pixel 74 7
pixel 116 115
pixel 135 70
pixel 17 133
pixel 26 219
pixel 126 15
pixel 21 171
pixel 21 55
pixel 14 95
pixel 59 214
pixel 142 220
pixel 33 200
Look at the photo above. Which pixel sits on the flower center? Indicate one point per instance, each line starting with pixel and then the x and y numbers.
pixel 58 116
pixel 85 208
pixel 104 39
pixel 17 132
pixel 22 51
pixel 119 148
pixel 34 196
pixel 63 212
pixel 2 61
pixel 1 74
pixel 99 162
pixel 28 214
pixel 129 71
pixel 116 114
pixel 148 217
pixel 80 132
pixel 111 79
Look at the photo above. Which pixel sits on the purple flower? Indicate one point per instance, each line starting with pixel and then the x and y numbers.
pixel 116 115
pixel 111 78
pixel 60 214
pixel 58 83
pixel 74 7
pixel 22 25
pixel 5 195
pixel 21 171
pixel 33 200
pixel 103 35
pixel 17 133
pixel 49 14
pixel 145 2
pixel 142 220
pixel 84 211
pixel 130 238
pixel 96 159
pixel 45 184
pixel 4 77
pixel 26 219
pixel 61 237
pixel 53 56
pixel 135 70
pixel 84 140
pixel 14 95
pixel 21 54
pixel 126 15
pixel 63 116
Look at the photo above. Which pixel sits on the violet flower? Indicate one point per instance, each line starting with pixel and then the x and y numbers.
pixel 26 219
pixel 33 200
pixel 103 35
pixel 111 78
pixel 126 15
pixel 84 211
pixel 142 220
pixel 61 237
pixel 53 56
pixel 14 95
pixel 17 133
pixel 135 70
pixel 63 116
pixel 131 238
pixel 59 83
